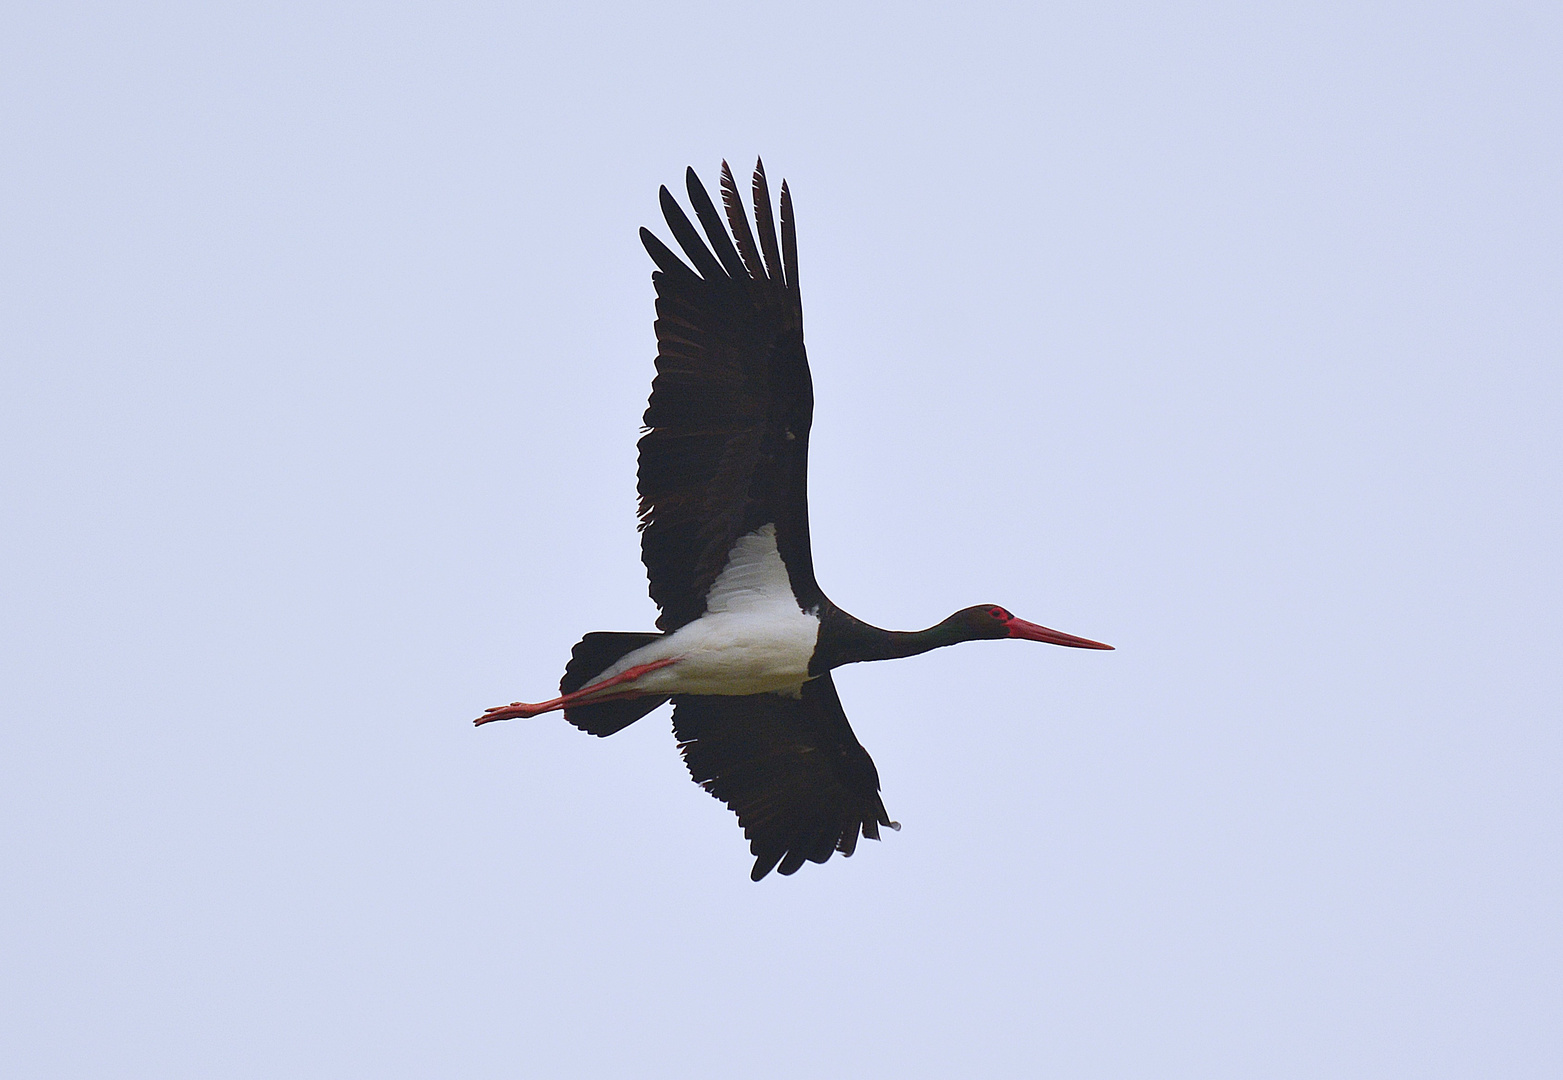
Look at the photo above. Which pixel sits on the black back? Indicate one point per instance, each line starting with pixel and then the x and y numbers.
pixel 727 445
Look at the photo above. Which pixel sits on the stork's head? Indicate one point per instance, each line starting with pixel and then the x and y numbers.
pixel 992 621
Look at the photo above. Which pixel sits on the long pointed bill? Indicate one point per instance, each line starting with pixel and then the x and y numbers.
pixel 1032 632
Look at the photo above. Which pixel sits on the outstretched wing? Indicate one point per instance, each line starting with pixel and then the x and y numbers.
pixel 790 768
pixel 727 442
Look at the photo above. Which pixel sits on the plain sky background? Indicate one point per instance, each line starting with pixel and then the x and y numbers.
pixel 1227 333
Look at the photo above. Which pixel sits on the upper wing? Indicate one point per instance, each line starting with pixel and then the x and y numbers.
pixel 727 443
pixel 790 768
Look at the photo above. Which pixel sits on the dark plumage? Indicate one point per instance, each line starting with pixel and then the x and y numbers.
pixel 748 638
pixel 790 768
pixel 727 443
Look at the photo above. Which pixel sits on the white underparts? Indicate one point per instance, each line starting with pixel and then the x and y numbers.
pixel 752 639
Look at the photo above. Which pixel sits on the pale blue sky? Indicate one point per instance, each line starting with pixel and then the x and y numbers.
pixel 1229 335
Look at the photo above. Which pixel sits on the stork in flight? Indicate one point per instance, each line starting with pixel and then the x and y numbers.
pixel 747 638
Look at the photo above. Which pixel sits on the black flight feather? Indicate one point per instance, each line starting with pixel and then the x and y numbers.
pixel 711 221
pixel 666 261
pixel 765 225
pixel 801 784
pixel 789 246
pixel 695 248
pixel 738 218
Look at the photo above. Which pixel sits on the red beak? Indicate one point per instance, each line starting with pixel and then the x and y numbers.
pixel 1032 632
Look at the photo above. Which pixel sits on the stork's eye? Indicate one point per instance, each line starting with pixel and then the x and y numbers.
pixel 999 613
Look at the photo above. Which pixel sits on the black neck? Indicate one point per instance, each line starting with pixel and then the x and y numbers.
pixel 846 640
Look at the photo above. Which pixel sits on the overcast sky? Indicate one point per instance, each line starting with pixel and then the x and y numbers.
pixel 1231 335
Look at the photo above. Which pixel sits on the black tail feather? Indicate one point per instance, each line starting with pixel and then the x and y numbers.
pixel 606 717
pixel 593 655
pixel 596 653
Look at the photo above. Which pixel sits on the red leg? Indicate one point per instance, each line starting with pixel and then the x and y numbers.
pixel 587 695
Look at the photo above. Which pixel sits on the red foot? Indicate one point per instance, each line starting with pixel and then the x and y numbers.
pixel 587 695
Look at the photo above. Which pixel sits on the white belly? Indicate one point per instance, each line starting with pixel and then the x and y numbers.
pixel 749 652
pixel 752 639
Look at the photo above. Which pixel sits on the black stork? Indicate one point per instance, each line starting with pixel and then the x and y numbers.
pixel 747 638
